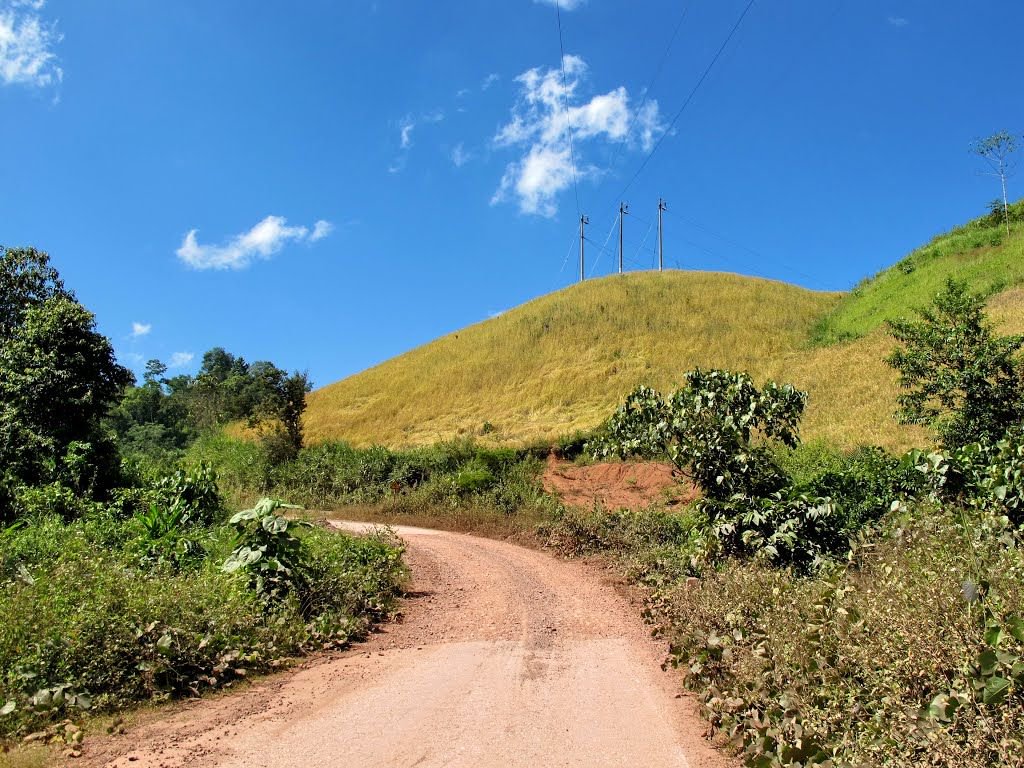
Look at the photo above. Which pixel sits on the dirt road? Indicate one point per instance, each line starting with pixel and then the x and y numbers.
pixel 506 657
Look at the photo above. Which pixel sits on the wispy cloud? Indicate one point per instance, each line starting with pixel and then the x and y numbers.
pixel 321 229
pixel 406 126
pixel 27 45
pixel 490 80
pixel 262 241
pixel 460 155
pixel 565 5
pixel 541 126
pixel 405 130
pixel 897 21
pixel 141 329
pixel 180 359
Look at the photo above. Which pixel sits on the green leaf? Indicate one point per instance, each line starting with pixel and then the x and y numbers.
pixel 995 690
pixel 1015 626
pixel 993 635
pixel 163 645
pixel 7 708
pixel 988 662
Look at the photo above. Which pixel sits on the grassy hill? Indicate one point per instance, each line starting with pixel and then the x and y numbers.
pixel 979 252
pixel 564 361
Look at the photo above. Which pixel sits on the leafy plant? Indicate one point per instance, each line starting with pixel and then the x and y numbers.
pixel 959 376
pixel 708 429
pixel 265 551
pixel 194 491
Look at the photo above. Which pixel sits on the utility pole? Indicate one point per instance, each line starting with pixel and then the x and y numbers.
pixel 623 209
pixel 661 243
pixel 583 222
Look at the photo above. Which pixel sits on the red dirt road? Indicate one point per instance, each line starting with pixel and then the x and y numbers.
pixel 506 657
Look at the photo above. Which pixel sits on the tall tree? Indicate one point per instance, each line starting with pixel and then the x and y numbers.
pixel 58 378
pixel 999 153
pixel 961 377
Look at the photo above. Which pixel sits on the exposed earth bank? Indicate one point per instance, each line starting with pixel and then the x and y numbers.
pixel 506 657
pixel 617 485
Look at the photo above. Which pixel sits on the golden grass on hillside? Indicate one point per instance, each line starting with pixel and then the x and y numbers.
pixel 564 361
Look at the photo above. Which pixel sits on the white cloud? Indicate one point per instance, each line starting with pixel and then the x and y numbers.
pixel 565 5
pixel 541 126
pixel 406 129
pixel 897 21
pixel 262 241
pixel 180 359
pixel 141 329
pixel 460 155
pixel 26 46
pixel 490 80
pixel 321 229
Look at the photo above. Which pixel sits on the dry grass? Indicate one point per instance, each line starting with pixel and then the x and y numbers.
pixel 564 361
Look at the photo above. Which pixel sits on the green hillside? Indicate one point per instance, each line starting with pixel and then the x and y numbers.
pixel 563 362
pixel 979 252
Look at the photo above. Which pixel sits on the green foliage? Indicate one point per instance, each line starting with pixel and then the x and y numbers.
pixel 160 419
pixel 195 491
pixel 979 253
pixel 962 379
pixel 656 547
pixel 58 377
pixel 85 623
pixel 716 429
pixel 266 552
pixel 1002 479
pixel 882 662
pixel 707 428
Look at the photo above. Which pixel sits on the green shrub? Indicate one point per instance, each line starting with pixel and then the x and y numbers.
pixel 266 552
pixel 84 625
pixel 859 665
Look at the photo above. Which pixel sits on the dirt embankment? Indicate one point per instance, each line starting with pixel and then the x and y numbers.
pixel 617 485
pixel 506 657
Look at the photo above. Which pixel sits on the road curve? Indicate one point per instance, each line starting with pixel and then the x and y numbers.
pixel 505 657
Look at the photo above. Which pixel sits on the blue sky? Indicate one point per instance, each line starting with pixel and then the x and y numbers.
pixel 328 184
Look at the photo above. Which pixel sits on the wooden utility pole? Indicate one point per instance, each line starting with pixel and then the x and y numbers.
pixel 623 209
pixel 661 242
pixel 583 222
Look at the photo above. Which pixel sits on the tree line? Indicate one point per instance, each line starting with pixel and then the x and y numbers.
pixel 69 412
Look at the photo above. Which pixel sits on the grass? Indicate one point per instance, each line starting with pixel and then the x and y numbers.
pixel 563 362
pixel 979 252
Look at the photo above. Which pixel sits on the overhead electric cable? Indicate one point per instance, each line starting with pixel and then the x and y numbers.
pixel 689 98
pixel 650 85
pixel 565 101
pixel 603 248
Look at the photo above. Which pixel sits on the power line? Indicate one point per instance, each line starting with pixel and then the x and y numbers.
pixel 565 101
pixel 650 85
pixel 603 248
pixel 753 252
pixel 689 98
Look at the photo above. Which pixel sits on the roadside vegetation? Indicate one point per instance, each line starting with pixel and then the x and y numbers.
pixel 840 608
pixel 828 606
pixel 124 577
pixel 835 596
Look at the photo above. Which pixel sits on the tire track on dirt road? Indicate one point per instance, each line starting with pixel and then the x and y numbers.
pixel 505 657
